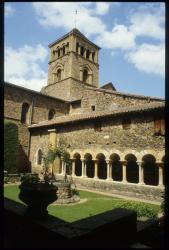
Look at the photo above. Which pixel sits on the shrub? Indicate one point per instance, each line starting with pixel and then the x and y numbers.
pixel 11 146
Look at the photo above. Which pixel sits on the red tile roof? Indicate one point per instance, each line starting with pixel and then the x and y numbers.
pixel 99 114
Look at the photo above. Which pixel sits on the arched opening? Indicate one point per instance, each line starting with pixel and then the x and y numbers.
pixel 85 75
pixel 102 166
pixel 150 170
pixel 87 54
pixel 39 157
pixel 132 169
pixel 89 165
pixel 25 113
pixel 51 114
pixel 58 74
pixel 116 167
pixel 78 164
pixel 82 51
pixel 63 50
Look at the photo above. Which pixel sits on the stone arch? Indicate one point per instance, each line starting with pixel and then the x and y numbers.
pixel 116 165
pixel 89 165
pixel 78 164
pixel 86 74
pixel 25 113
pixel 102 166
pixel 58 72
pixel 150 170
pixel 133 152
pixel 132 169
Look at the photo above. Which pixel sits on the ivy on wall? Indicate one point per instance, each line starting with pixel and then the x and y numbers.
pixel 11 146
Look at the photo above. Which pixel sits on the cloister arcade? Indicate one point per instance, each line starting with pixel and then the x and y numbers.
pixel 144 168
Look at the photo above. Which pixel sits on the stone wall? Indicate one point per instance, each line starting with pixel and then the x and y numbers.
pixel 82 137
pixel 103 100
pixel 14 98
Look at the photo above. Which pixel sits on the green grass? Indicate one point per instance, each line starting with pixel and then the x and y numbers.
pixel 95 204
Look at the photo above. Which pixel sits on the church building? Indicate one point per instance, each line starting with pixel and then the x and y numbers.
pixel 115 140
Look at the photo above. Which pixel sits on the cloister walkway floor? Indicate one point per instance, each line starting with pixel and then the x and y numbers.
pixel 121 196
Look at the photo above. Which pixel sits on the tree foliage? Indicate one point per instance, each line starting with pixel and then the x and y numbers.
pixel 11 146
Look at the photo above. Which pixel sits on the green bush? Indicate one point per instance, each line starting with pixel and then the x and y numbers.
pixel 143 210
pixel 11 146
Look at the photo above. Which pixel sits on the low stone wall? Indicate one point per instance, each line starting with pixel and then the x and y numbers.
pixel 114 228
pixel 146 192
pixel 11 178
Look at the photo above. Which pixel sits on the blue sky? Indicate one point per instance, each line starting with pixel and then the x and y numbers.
pixel 131 37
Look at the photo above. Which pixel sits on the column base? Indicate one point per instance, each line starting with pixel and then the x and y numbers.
pixel 109 179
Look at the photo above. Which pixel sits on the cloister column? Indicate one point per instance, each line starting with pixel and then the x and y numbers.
pixel 62 167
pixel 160 169
pixel 83 168
pixel 109 176
pixel 73 167
pixel 141 172
pixel 95 169
pixel 124 180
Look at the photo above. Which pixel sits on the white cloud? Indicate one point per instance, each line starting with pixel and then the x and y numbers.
pixel 145 24
pixel 22 66
pixel 102 8
pixel 148 58
pixel 62 14
pixel 9 10
pixel 120 37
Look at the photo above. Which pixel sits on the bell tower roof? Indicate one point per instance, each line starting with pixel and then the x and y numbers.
pixel 73 32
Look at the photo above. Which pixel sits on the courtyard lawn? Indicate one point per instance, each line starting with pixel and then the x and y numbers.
pixel 91 204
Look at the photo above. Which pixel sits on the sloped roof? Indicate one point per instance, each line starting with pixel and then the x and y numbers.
pixel 108 86
pixel 76 32
pixel 34 91
pixel 100 114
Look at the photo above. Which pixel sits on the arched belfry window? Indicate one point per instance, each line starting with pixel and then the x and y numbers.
pixel 39 157
pixel 51 114
pixel 58 74
pixel 25 113
pixel 85 75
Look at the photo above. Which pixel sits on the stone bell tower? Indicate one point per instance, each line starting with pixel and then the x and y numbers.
pixel 73 65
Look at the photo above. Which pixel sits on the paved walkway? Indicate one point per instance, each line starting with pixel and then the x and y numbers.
pixel 121 196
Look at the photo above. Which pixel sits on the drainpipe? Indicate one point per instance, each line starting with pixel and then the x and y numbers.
pixel 30 122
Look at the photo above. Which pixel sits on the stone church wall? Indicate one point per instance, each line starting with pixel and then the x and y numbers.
pixel 82 137
pixel 14 98
pixel 108 101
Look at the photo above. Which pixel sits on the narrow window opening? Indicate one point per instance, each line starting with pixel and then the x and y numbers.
pixel 51 114
pixel 126 123
pixel 93 107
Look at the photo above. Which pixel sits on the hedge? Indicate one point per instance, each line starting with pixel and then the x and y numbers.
pixel 11 146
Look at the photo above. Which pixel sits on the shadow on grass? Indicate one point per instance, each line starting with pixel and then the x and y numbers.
pixel 114 228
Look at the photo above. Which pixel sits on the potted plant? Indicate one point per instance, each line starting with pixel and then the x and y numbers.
pixel 37 194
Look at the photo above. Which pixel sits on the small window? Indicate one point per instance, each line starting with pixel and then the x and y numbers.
pixel 25 113
pixel 82 51
pixel 93 107
pixel 159 126
pixel 40 155
pixel 85 75
pixel 58 52
pixel 58 74
pixel 126 123
pixel 97 126
pixel 51 114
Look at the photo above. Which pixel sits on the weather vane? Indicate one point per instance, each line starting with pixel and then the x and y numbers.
pixel 75 17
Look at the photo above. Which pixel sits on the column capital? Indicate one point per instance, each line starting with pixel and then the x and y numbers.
pixel 139 162
pixel 124 162
pixel 160 163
